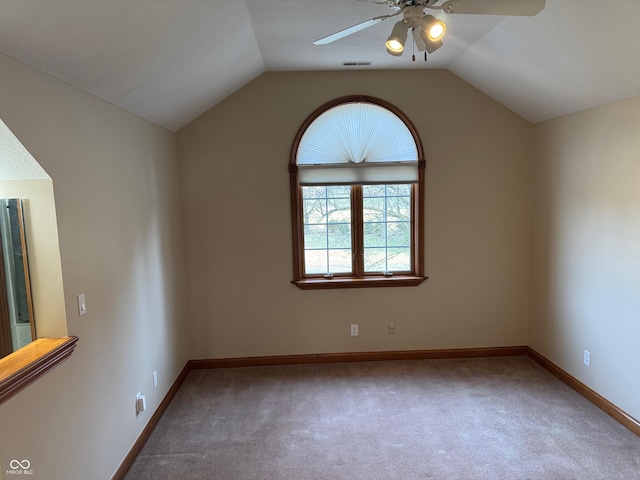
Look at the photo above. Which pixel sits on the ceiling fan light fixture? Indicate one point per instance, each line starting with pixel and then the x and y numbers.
pixel 395 42
pixel 394 48
pixel 433 28
pixel 429 27
pixel 427 30
pixel 437 31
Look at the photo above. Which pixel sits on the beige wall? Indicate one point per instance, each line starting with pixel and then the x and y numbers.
pixel 586 248
pixel 117 200
pixel 234 179
pixel 116 189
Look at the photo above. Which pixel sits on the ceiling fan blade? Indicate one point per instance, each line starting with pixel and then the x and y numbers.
pixel 353 29
pixel 495 7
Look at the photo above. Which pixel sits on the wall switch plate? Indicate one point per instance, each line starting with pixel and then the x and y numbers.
pixel 391 328
pixel 82 305
pixel 587 358
pixel 141 403
pixel 155 379
pixel 354 329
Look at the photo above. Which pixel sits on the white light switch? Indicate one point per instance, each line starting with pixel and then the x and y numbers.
pixel 587 358
pixel 82 304
pixel 141 403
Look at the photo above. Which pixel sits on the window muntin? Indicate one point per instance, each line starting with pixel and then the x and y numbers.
pixel 329 224
pixel 386 223
pixel 357 216
pixel 327 230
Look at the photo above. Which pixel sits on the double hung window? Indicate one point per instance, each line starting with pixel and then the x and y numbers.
pixel 357 186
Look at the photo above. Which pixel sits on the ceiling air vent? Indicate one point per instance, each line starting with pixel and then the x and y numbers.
pixel 365 63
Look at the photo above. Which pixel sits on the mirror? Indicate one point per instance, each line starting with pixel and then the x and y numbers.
pixel 17 326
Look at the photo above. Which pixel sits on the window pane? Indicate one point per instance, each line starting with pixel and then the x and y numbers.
pixel 339 235
pixel 339 191
pixel 315 236
pixel 314 211
pixel 327 229
pixel 373 209
pixel 340 261
pixel 313 192
pixel 374 234
pixel 398 259
pixel 399 208
pixel 398 190
pixel 375 259
pixel 373 191
pixel 339 210
pixel 398 234
pixel 316 261
pixel 387 228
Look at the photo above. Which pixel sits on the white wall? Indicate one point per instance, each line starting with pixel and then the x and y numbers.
pixel 236 212
pixel 117 199
pixel 586 248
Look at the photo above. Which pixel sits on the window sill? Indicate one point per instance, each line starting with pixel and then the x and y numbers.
pixel 26 365
pixel 367 282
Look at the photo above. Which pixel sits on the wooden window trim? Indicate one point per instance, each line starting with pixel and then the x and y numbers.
pixel 305 282
pixel 26 365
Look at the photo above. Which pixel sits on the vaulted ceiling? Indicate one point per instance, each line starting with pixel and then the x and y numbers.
pixel 170 60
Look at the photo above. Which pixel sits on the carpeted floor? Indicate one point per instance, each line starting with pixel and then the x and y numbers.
pixel 492 418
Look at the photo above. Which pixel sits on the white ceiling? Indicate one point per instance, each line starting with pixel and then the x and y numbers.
pixel 171 60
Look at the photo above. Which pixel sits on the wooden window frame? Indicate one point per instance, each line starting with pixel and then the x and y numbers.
pixel 358 279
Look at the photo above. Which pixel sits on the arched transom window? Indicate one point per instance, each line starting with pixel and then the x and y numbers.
pixel 357 187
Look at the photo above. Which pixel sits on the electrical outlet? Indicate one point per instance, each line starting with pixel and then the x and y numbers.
pixel 155 379
pixel 354 329
pixel 391 328
pixel 587 358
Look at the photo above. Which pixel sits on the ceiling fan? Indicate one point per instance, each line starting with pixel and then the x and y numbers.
pixel 428 30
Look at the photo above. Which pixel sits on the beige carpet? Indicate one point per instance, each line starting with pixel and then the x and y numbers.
pixel 492 418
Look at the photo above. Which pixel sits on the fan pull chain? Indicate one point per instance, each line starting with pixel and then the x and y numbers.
pixel 425 56
pixel 413 47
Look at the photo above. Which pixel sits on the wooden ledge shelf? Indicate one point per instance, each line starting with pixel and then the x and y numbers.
pixel 26 365
pixel 365 282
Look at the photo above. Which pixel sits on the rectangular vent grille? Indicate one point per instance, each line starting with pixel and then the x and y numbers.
pixel 357 63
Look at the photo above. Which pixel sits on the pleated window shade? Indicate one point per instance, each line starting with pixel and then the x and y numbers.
pixel 357 144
